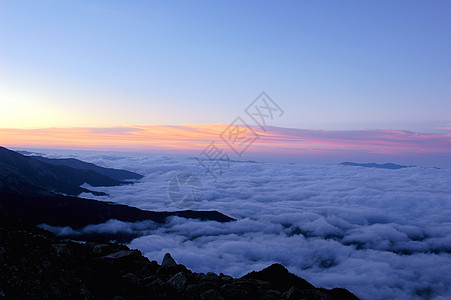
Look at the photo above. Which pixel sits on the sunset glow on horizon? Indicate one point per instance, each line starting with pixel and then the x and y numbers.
pixel 332 66
pixel 276 141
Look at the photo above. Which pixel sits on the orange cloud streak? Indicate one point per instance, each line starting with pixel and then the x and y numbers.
pixel 196 137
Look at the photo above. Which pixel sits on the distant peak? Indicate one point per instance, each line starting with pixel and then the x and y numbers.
pixel 390 166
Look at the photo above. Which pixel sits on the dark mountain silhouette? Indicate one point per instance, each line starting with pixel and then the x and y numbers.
pixel 27 187
pixel 59 210
pixel 28 153
pixel 25 175
pixel 375 165
pixel 116 174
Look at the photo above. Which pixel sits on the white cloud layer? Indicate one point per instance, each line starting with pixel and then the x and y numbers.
pixel 382 234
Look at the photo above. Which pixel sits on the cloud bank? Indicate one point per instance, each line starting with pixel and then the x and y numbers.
pixel 382 234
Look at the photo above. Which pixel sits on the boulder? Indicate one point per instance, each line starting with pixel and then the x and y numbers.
pixel 178 281
pixel 168 261
pixel 211 295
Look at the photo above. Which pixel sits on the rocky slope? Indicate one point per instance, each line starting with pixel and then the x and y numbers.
pixel 35 264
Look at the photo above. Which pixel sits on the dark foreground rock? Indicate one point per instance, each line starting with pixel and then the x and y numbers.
pixel 35 264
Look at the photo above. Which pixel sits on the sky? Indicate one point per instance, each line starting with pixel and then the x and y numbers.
pixel 345 65
pixel 129 72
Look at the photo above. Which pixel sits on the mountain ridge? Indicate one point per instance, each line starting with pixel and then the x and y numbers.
pixel 17 170
pixel 116 174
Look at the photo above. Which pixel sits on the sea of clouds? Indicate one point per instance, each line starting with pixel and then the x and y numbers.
pixel 382 234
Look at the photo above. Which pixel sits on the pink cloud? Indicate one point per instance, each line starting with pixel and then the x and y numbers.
pixel 276 141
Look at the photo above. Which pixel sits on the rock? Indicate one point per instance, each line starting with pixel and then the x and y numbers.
pixel 211 276
pixel 167 272
pixel 132 278
pixel 123 254
pixel 196 289
pixel 280 278
pixel 178 281
pixel 155 285
pixel 314 294
pixel 102 249
pixel 339 293
pixel 292 294
pixel 211 295
pixel 168 261
pixel 61 249
pixel 149 279
pixel 272 294
pixel 238 291
pixel 35 264
pixel 225 278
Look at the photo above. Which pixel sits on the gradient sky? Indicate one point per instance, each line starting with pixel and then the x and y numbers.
pixel 334 65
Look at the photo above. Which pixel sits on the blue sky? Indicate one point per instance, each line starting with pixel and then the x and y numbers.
pixel 329 64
